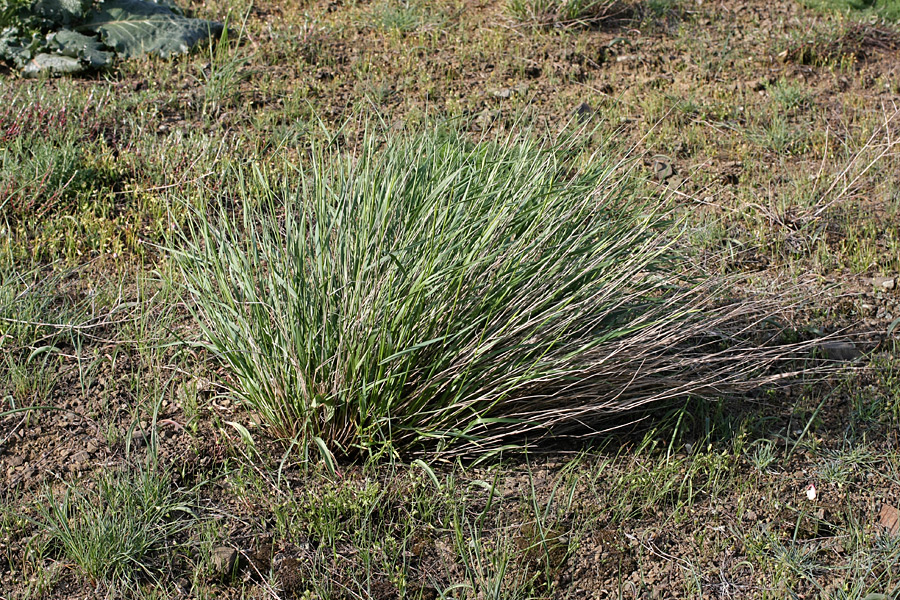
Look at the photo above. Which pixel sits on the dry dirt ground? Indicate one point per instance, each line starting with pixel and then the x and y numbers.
pixel 771 125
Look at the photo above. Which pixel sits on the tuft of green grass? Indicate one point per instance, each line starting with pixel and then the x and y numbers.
pixel 788 95
pixel 225 70
pixel 559 13
pixel 112 531
pixel 402 16
pixel 433 292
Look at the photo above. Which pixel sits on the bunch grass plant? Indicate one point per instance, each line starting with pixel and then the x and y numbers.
pixel 566 13
pixel 110 530
pixel 430 292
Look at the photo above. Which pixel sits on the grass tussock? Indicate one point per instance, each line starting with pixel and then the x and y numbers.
pixel 564 13
pixel 111 531
pixel 431 292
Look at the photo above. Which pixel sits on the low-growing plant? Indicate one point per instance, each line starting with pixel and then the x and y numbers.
pixel 434 292
pixel 569 12
pixel 788 95
pixel 112 530
pixel 55 37
pixel 886 9
pixel 402 16
pixel 763 455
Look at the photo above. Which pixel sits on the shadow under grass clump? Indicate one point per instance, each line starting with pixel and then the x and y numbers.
pixel 431 293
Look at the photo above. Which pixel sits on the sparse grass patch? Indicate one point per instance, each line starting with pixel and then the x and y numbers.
pixel 841 45
pixel 35 311
pixel 877 400
pixel 885 9
pixel 225 70
pixel 404 16
pixel 58 175
pixel 114 531
pixel 566 13
pixel 389 529
pixel 52 167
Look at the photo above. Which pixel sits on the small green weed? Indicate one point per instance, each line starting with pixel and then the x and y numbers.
pixel 788 95
pixel 763 455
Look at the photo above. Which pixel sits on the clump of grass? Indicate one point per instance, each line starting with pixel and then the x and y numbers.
pixel 434 292
pixel 402 16
pixel 789 96
pixel 561 13
pixel 33 309
pixel 112 530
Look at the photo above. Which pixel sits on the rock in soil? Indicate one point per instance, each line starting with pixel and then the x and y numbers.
pixel 844 351
pixel 890 519
pixel 584 112
pixel 224 559
pixel 885 283
pixel 662 168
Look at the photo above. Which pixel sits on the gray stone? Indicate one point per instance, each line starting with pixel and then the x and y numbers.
pixel 29 475
pixel 224 559
pixel 842 351
pixel 882 283
pixel 487 118
pixel 138 439
pixel 584 111
pixel 662 167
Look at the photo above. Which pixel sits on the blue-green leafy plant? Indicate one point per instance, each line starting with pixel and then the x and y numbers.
pixel 52 37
